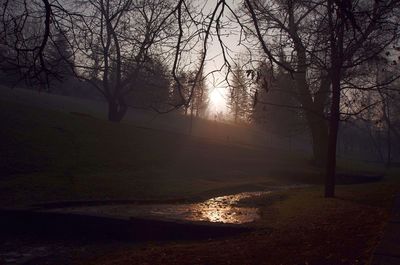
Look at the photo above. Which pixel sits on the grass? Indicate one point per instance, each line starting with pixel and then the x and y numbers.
pixel 50 156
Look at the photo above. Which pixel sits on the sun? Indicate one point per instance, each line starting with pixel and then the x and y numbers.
pixel 217 99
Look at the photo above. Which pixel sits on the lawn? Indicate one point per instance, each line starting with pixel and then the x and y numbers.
pixel 49 155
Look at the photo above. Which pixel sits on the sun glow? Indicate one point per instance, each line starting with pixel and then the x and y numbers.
pixel 217 100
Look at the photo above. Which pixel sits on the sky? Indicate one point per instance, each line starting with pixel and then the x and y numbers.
pixel 218 90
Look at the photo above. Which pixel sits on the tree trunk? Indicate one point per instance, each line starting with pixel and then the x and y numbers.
pixel 319 134
pixel 332 139
pixel 116 110
pixel 191 121
pixel 389 149
pixel 386 117
pixel 336 54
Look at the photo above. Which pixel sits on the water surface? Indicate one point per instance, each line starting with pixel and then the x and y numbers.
pixel 223 209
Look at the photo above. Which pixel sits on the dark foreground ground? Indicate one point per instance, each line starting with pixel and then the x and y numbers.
pixel 306 229
pixel 54 156
pixel 297 227
pixel 387 251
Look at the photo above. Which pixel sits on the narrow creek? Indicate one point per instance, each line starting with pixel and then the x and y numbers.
pixel 223 209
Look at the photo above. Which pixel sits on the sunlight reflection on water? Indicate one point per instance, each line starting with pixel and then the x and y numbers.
pixel 223 209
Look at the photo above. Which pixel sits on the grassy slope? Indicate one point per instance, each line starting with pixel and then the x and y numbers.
pixel 49 155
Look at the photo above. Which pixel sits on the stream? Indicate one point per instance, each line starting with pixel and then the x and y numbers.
pixel 222 209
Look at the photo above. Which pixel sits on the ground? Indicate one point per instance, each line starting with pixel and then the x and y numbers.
pixel 56 156
pixel 297 227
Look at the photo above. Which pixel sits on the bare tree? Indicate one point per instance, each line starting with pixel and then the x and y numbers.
pixel 25 32
pixel 111 41
pixel 274 107
pixel 114 40
pixel 239 101
pixel 325 40
pixel 199 103
pixel 322 42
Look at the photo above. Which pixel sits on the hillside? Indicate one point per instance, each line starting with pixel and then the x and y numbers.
pixel 50 155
